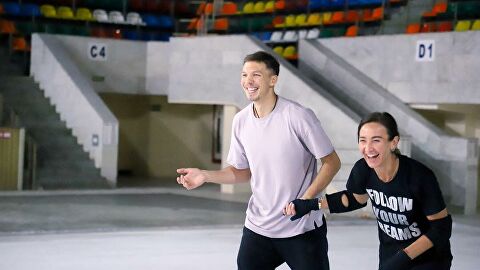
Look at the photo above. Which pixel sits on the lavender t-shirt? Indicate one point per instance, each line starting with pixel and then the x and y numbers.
pixel 281 150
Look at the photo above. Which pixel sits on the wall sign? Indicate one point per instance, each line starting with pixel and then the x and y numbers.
pixel 97 51
pixel 425 51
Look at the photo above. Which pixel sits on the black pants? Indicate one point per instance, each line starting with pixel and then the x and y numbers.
pixel 306 251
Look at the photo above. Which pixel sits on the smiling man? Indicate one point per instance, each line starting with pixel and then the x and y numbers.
pixel 275 145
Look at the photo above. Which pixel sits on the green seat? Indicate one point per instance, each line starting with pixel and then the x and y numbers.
pixel 27 27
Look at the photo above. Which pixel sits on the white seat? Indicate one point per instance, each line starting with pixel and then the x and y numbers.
pixel 276 36
pixel 313 33
pixel 302 34
pixel 134 18
pixel 115 17
pixel 290 35
pixel 100 15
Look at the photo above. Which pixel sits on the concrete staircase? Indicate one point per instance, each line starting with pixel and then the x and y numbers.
pixel 61 161
pixel 400 17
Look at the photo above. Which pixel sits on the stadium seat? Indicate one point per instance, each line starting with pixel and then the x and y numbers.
pixel 476 25
pixel 290 20
pixel 20 44
pixel 313 33
pixel 301 20
pixel 270 6
pixel 327 16
pixel 290 36
pixel 428 27
pixel 278 50
pixel 377 15
pixel 413 28
pixel 352 31
pixel 115 16
pixel 31 10
pixel 352 16
pixel 7 27
pixel 134 18
pixel 83 14
pixel 11 8
pixel 314 19
pixel 220 24
pixel 100 15
pixel 64 12
pixel 437 9
pixel 276 36
pixel 290 52
pixel 248 8
pixel 278 21
pixel 229 8
pixel 463 25
pixel 445 26
pixel 302 33
pixel 48 11
pixel 259 7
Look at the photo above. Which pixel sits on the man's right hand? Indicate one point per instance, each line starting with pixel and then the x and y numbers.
pixel 190 178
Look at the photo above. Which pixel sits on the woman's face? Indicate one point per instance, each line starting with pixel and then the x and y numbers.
pixel 374 145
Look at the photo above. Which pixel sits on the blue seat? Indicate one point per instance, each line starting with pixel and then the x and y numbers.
pixel 158 21
pixel 11 8
pixel 31 10
pixel 132 35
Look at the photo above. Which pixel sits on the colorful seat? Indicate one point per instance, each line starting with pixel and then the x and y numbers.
pixel 48 11
pixel 352 31
pixel 463 25
pixel 134 18
pixel 64 12
pixel 100 15
pixel 314 19
pixel 115 16
pixel 413 28
pixel 476 25
pixel 83 14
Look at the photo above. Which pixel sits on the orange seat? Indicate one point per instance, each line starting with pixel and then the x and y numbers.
pixel 446 26
pixel 337 18
pixel 352 31
pixel 220 24
pixel 280 5
pixel 194 24
pixel 201 8
pixel 352 16
pixel 413 28
pixel 428 27
pixel 278 21
pixel 7 27
pixel 19 44
pixel 229 8
pixel 437 9
pixel 208 9
pixel 377 15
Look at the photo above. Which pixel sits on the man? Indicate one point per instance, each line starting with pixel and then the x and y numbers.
pixel 275 145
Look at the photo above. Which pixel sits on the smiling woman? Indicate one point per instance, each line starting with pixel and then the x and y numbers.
pixel 413 222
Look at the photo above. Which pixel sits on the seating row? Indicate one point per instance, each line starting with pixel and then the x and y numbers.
pixel 85 14
pixel 251 7
pixel 453 10
pixel 443 26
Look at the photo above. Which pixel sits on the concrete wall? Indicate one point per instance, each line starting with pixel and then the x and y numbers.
pixel 157 137
pixel 390 60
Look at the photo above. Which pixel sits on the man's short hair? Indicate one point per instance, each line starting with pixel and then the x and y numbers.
pixel 263 57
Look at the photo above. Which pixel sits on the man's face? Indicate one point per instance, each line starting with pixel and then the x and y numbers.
pixel 257 81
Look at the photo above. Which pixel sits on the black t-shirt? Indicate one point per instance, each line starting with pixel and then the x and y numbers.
pixel 401 205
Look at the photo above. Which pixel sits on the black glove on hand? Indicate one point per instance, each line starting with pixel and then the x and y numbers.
pixel 303 207
pixel 399 261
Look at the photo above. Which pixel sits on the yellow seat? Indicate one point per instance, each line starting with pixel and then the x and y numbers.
pixel 278 50
pixel 270 6
pixel 462 26
pixel 476 25
pixel 290 20
pixel 248 7
pixel 64 12
pixel 290 52
pixel 83 14
pixel 314 19
pixel 259 7
pixel 48 11
pixel 327 16
pixel 301 20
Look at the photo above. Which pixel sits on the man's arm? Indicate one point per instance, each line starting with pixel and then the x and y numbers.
pixel 330 166
pixel 192 178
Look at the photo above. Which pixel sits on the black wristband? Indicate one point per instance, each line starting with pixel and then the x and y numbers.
pixel 399 261
pixel 303 207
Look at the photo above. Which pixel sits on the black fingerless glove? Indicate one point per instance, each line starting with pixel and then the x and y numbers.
pixel 303 207
pixel 399 261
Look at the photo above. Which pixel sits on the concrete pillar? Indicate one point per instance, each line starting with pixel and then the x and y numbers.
pixel 228 114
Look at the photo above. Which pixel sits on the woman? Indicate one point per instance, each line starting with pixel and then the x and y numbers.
pixel 414 226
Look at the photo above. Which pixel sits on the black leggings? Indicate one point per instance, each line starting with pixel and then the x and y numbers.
pixel 307 251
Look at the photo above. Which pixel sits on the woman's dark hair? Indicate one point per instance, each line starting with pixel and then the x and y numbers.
pixel 385 119
pixel 266 58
